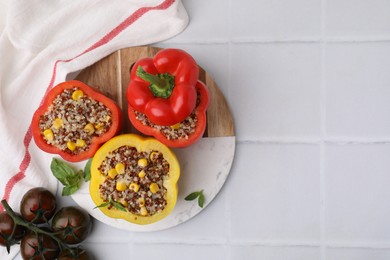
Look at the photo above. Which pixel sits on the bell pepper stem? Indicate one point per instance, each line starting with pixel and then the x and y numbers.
pixel 161 85
pixel 153 79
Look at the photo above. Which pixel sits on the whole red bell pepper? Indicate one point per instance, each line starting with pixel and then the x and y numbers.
pixel 48 130
pixel 163 87
pixel 147 128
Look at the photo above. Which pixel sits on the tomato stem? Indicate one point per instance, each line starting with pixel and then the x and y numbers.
pixel 21 222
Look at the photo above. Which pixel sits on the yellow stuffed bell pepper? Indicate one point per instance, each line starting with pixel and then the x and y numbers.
pixel 135 179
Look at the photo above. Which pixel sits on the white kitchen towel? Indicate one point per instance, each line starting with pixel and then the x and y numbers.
pixel 42 42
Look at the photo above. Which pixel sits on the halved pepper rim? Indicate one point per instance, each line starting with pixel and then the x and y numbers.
pixel 116 117
pixel 141 144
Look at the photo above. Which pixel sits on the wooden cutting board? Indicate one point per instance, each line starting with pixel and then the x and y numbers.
pixel 111 76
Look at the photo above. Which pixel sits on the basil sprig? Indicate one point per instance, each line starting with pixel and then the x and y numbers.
pixel 69 177
pixel 113 203
pixel 194 195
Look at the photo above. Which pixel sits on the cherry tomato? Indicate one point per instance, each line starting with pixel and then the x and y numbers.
pixel 71 224
pixel 74 254
pixel 9 233
pixel 38 247
pixel 38 205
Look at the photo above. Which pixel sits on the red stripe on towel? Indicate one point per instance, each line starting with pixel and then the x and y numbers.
pixel 106 39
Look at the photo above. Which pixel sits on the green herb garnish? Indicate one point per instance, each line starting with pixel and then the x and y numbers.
pixel 113 203
pixel 87 170
pixel 194 195
pixel 69 177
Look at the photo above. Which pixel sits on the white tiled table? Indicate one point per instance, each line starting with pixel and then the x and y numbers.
pixel 308 82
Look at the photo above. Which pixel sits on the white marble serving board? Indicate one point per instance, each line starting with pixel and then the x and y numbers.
pixel 204 166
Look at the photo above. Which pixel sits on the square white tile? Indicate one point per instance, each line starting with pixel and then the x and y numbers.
pixel 274 193
pixel 275 90
pixel 357 254
pixel 102 232
pixel 357 201
pixel 357 90
pixel 277 19
pixel 213 58
pixel 108 250
pixel 275 253
pixel 208 21
pixel 179 252
pixel 358 18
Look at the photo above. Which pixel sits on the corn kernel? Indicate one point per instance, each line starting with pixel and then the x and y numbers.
pixel 77 94
pixel 99 126
pixel 124 203
pixel 112 173
pixel 89 128
pixel 142 174
pixel 141 202
pixel 153 155
pixel 58 123
pixel 154 187
pixel 120 168
pixel 143 211
pixel 48 133
pixel 134 186
pixel 142 162
pixel 71 145
pixel 121 186
pixel 175 126
pixel 107 118
pixel 80 143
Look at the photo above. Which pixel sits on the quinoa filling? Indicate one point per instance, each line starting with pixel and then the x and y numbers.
pixel 73 120
pixel 135 180
pixel 180 130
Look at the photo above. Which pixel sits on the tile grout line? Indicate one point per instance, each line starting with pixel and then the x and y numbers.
pixel 322 162
pixel 309 39
pixel 313 141
pixel 249 243
pixel 270 40
pixel 243 242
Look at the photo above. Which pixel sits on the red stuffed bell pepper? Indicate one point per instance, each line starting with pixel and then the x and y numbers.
pixel 74 120
pixel 182 134
pixel 163 87
pixel 179 118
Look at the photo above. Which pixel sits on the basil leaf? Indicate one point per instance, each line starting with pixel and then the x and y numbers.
pixel 69 178
pixel 75 178
pixel 196 194
pixel 87 171
pixel 105 204
pixel 201 199
pixel 112 202
pixel 63 172
pixel 69 190
pixel 117 205
pixel 192 196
